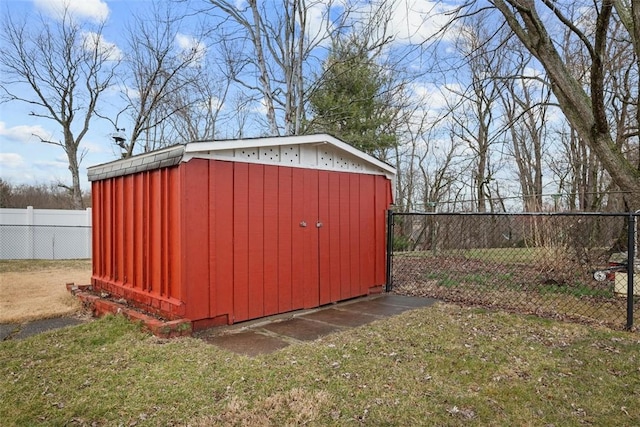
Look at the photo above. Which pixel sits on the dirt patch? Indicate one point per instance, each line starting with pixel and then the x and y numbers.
pixel 41 294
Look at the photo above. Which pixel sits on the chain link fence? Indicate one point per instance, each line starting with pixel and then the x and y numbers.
pixel 45 242
pixel 570 266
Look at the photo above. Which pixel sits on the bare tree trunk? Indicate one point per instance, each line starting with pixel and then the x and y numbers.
pixel 586 112
pixel 66 67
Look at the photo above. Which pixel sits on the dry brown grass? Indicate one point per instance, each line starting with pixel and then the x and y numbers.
pixel 31 290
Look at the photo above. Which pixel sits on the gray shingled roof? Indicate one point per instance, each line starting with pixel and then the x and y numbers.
pixel 337 155
pixel 154 160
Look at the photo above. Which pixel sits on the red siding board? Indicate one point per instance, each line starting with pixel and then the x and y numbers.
pixel 139 233
pixel 334 227
pixel 380 228
pixel 346 254
pixel 96 235
pixel 108 231
pixel 298 240
pixel 127 236
pixel 270 239
pixel 310 257
pixel 146 231
pixel 175 232
pixel 324 236
pixel 195 239
pixel 155 233
pixel 212 235
pixel 256 241
pixel 354 235
pixel 240 242
pixel 367 233
pixel 223 243
pixel 117 230
pixel 286 226
pixel 164 233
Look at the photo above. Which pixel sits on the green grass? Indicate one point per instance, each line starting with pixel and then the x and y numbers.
pixel 576 290
pixel 497 255
pixel 27 265
pixel 443 365
pixel 505 280
pixel 480 279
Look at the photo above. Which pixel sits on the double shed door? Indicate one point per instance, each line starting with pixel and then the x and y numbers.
pixel 279 238
pixel 309 239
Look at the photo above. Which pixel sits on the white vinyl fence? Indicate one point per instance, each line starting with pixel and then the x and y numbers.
pixel 45 233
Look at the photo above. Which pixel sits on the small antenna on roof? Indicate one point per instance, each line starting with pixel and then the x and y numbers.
pixel 119 137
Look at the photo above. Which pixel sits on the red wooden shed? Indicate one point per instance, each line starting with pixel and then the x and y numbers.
pixel 224 231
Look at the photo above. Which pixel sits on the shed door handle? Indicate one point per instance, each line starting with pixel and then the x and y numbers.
pixel 318 224
pixel 303 223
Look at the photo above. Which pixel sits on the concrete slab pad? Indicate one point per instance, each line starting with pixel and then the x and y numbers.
pixel 249 343
pixel 375 308
pixel 340 318
pixel 404 301
pixel 301 329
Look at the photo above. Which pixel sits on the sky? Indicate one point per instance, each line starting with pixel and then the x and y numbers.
pixel 24 159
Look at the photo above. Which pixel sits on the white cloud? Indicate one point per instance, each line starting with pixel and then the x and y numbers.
pixel 23 133
pixel 11 160
pixel 410 21
pixel 191 47
pixel 416 20
pixel 94 147
pixel 110 50
pixel 95 10
pixel 52 165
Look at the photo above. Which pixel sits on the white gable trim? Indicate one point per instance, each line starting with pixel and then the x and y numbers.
pixel 305 151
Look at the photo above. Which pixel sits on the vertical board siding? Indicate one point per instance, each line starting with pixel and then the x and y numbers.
pixel 195 238
pixel 297 239
pixel 346 254
pixel 310 245
pixel 354 235
pixel 270 240
pixel 174 249
pixel 135 237
pixel 286 226
pixel 140 212
pixel 118 219
pixel 223 239
pixel 382 202
pixel 333 231
pixel 221 199
pixel 128 235
pixel 155 244
pixel 366 225
pixel 240 245
pixel 96 234
pixel 255 231
pixel 324 236
pixel 108 233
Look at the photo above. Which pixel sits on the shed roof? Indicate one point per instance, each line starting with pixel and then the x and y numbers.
pixel 319 151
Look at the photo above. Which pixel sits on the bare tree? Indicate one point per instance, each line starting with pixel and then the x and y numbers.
pixel 472 107
pixel 203 105
pixel 59 68
pixel 525 101
pixel 584 106
pixel 273 51
pixel 162 65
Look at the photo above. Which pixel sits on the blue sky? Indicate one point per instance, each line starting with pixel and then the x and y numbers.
pixel 26 160
pixel 23 158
